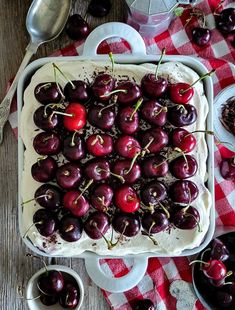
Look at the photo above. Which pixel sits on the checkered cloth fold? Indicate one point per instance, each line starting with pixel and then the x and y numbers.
pixel 219 54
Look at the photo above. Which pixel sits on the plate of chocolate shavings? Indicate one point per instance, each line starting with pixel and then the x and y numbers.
pixel 224 117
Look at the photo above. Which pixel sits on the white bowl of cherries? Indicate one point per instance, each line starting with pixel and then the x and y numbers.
pixel 214 273
pixel 57 286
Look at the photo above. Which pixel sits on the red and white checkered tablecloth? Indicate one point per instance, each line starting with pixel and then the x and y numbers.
pixel 219 54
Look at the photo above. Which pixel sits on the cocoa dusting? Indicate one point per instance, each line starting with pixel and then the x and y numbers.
pixel 228 115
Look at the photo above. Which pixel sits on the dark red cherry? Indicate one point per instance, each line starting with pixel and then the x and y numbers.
pixel 102 86
pixel 143 304
pixel 77 118
pixel 101 117
pixel 127 146
pixel 219 250
pixel 186 218
pixel 126 199
pixel 97 169
pixel 128 120
pixel 76 203
pixel 183 139
pixel 97 225
pixel 45 221
pixel 201 36
pixel 47 93
pixel 225 21
pixel 122 168
pixel 154 113
pixel 181 93
pixel 183 192
pixel 158 137
pixel 224 299
pixel 69 297
pixel 180 116
pixel 155 222
pixel 70 228
pixel 45 120
pixel 184 167
pixel 99 145
pixel 99 8
pixel 155 166
pixel 74 147
pixel 44 169
pixel 153 192
pixel 46 143
pixel 51 282
pixel 68 175
pixel 131 95
pixel 127 224
pixel 101 197
pixel 48 196
pixel 49 300
pixel 77 28
pixel 227 168
pixel 77 91
pixel 153 87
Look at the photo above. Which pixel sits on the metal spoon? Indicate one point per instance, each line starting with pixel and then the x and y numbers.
pixel 45 21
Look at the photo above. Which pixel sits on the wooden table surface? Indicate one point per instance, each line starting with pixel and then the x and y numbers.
pixel 15 268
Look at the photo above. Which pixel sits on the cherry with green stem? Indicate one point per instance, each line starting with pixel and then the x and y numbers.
pixel 181 93
pixel 152 85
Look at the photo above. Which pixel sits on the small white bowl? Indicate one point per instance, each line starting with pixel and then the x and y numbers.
pixel 32 290
pixel 221 133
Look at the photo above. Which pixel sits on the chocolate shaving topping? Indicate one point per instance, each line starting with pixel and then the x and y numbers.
pixel 228 115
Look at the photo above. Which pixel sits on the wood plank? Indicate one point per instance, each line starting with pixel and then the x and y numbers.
pixel 15 268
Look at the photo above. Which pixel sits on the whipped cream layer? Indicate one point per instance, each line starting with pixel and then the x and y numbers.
pixel 169 243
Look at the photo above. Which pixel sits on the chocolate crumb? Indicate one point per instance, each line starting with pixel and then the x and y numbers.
pixel 228 115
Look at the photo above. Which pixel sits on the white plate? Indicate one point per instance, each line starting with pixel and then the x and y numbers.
pixel 221 133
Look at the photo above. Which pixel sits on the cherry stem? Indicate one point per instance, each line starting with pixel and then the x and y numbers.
pixel 199 261
pixel 57 84
pixel 149 208
pixel 203 253
pixel 39 159
pixel 61 113
pixel 132 162
pixel 53 105
pixel 73 137
pixel 34 199
pixel 84 189
pixel 145 149
pixel 138 104
pixel 42 86
pixel 164 209
pixel 112 61
pixel 160 60
pixel 125 91
pixel 25 234
pixel 198 224
pixel 149 234
pixel 36 257
pixel 98 139
pixel 113 174
pixel 65 76
pixel 204 131
pixel 106 107
pixel 48 138
pixel 182 91
pixel 109 243
pixel 101 199
pixel 163 109
pixel 220 4
pixel 21 295
pixel 177 149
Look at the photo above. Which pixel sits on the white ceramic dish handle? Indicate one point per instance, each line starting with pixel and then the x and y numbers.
pixel 116 285
pixel 111 30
